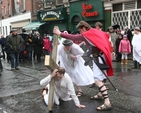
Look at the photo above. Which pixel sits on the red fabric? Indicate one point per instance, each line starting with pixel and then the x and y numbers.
pixel 100 40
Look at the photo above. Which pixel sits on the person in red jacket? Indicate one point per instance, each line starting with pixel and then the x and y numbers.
pixel 47 45
pixel 101 48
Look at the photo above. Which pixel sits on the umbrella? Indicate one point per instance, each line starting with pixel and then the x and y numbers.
pixel 115 26
pixel 23 36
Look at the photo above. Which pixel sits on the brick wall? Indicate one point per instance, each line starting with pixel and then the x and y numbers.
pixel 4 13
pixel 30 5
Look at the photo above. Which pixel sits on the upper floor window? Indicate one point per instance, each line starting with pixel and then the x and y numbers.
pixel 9 9
pixel 59 2
pixel 138 4
pixel 22 6
pixel 117 7
pixel 46 3
pixel 4 10
pixel 0 1
pixel 127 5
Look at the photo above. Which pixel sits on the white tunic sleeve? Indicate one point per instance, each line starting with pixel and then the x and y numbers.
pixel 72 92
pixel 45 81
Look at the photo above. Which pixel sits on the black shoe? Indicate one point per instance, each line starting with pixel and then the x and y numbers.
pixel 17 68
pixel 134 68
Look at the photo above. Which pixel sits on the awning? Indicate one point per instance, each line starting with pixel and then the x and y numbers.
pixel 19 24
pixel 33 25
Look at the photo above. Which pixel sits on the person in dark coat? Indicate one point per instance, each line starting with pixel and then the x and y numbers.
pixel 128 32
pixel 29 46
pixel 3 45
pixel 15 42
pixel 118 55
pixel 7 48
pixel 38 45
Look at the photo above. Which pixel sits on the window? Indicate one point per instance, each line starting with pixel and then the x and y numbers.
pixel 0 1
pixel 46 3
pixel 6 30
pixel 117 7
pixel 138 4
pixel 0 31
pixel 129 5
pixel 4 10
pixel 59 2
pixel 9 13
pixel 3 31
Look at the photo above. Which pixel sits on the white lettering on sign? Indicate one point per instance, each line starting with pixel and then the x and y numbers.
pixel 49 13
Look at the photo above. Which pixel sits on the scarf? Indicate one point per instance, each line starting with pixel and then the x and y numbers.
pixel 69 55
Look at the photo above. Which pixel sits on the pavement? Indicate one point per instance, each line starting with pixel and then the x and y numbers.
pixel 20 91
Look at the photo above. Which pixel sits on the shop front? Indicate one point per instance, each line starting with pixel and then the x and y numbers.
pixel 56 17
pixel 90 11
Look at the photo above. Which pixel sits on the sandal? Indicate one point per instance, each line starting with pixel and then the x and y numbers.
pixel 104 107
pixel 79 94
pixel 97 97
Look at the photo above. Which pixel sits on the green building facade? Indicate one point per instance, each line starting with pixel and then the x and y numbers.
pixel 90 11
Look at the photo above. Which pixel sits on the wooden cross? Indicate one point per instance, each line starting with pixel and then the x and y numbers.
pixel 51 64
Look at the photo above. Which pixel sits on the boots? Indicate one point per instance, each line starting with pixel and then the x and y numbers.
pixel 126 61
pixel 122 61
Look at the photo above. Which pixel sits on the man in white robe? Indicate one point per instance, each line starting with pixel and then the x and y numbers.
pixel 136 47
pixel 63 87
pixel 70 57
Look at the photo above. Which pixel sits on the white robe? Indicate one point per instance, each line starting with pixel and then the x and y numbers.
pixel 136 43
pixel 80 74
pixel 63 89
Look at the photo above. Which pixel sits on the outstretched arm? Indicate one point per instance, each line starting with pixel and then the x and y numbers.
pixel 69 36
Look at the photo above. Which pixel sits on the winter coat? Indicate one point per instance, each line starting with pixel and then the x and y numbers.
pixel 47 44
pixel 15 42
pixel 38 45
pixel 124 46
pixel 29 44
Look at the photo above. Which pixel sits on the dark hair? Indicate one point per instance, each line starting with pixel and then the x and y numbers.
pixel 82 24
pixel 98 24
pixel 61 70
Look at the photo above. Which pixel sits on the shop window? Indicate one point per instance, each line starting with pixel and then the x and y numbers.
pixel 117 7
pixel 139 4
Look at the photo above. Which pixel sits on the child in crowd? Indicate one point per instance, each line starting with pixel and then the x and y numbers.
pixel 124 49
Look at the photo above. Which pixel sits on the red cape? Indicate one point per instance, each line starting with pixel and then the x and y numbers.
pixel 100 40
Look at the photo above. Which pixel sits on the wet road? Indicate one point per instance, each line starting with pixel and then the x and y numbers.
pixel 20 91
